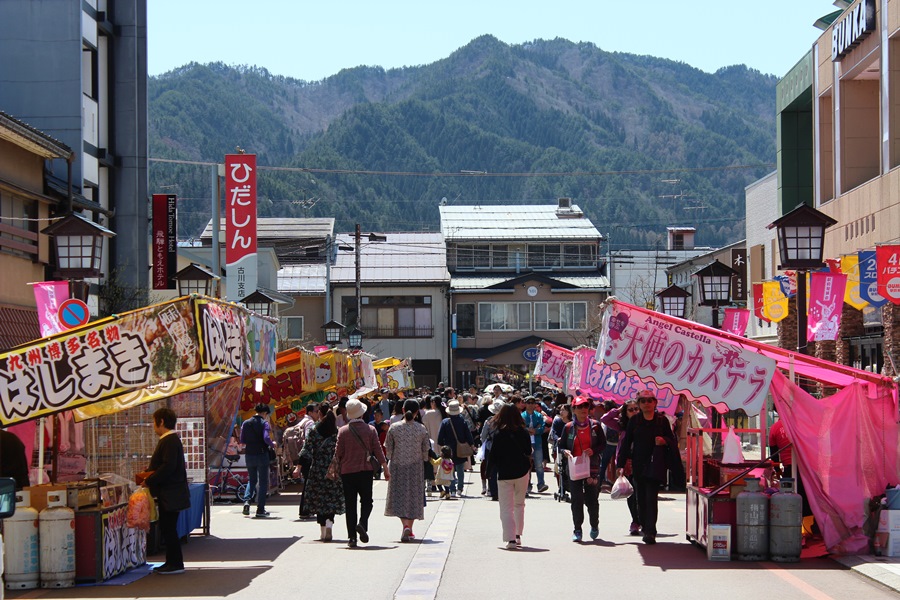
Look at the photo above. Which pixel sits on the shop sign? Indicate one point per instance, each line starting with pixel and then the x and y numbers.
pixel 530 354
pixel 240 225
pixel 852 29
pixel 165 241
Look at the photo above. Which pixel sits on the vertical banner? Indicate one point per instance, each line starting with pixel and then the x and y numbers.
pixel 775 303
pixel 852 293
pixel 759 302
pixel 165 242
pixel 240 225
pixel 888 264
pixel 868 279
pixel 739 283
pixel 48 295
pixel 826 298
pixel 736 320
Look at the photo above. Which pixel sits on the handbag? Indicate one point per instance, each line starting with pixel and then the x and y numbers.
pixel 463 449
pixel 579 467
pixel 334 469
pixel 370 458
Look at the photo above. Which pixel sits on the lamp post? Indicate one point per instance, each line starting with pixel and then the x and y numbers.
pixel 673 300
pixel 715 287
pixel 79 250
pixel 354 339
pixel 194 279
pixel 259 302
pixel 333 331
pixel 801 241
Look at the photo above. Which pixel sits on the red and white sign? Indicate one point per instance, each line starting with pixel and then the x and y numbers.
pixel 552 364
pixel 48 295
pixel 240 225
pixel 759 302
pixel 165 242
pixel 888 260
pixel 73 313
pixel 826 300
pixel 736 320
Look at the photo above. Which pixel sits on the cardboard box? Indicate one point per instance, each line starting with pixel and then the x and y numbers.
pixel 893 544
pixel 718 542
pixel 889 520
pixel 39 494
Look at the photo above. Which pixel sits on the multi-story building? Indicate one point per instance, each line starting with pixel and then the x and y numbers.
pixel 683 274
pixel 25 208
pixel 519 275
pixel 78 72
pixel 838 119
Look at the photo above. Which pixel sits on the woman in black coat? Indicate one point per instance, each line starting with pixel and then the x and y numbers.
pixel 511 457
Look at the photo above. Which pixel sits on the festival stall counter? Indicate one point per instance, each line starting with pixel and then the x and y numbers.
pixel 121 363
pixel 728 372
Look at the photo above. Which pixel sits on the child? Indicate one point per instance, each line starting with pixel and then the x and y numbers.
pixel 443 471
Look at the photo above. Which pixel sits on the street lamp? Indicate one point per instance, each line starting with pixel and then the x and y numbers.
pixel 259 302
pixel 194 279
pixel 715 287
pixel 801 241
pixel 354 338
pixel 333 331
pixel 673 300
pixel 79 249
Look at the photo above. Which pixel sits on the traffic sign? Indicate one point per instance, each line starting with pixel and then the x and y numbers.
pixel 73 313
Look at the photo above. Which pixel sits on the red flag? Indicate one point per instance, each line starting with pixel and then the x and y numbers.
pixel 736 320
pixel 48 295
pixel 759 302
pixel 888 264
pixel 826 299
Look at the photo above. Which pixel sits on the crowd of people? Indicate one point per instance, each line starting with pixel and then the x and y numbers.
pixel 423 446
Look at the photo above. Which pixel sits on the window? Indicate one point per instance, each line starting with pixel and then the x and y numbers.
pixel 499 256
pixel 504 316
pixel 470 257
pixel 392 316
pixel 293 327
pixel 544 256
pixel 465 320
pixel 578 255
pixel 560 316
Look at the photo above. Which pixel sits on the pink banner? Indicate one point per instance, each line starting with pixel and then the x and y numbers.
pixel 607 383
pixel 551 365
pixel 736 320
pixel 888 266
pixel 49 295
pixel 826 299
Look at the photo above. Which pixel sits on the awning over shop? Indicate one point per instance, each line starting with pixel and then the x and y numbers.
pixel 126 360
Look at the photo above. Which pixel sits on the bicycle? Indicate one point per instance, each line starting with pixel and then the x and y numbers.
pixel 225 482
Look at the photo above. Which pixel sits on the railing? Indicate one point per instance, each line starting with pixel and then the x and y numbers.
pixel 398 332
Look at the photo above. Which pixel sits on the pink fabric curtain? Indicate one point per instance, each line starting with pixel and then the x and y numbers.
pixel 847 445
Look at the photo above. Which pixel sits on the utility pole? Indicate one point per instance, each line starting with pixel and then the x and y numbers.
pixel 358 279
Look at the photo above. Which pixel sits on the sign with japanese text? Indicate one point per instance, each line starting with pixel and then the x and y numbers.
pixel 551 365
pixel 396 378
pixel 868 279
pixel 888 264
pixel 603 381
pixel 739 283
pixel 165 241
pixel 683 356
pixel 48 295
pixel 759 302
pixel 281 389
pixel 240 225
pixel 115 363
pixel 736 320
pixel 826 299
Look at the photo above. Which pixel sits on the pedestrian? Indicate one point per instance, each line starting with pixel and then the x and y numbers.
pixel 534 424
pixel 257 439
pixel 648 442
pixel 357 441
pixel 453 431
pixel 13 462
pixel 168 483
pixel 443 472
pixel 488 472
pixel 407 447
pixel 616 421
pixel 511 457
pixel 583 436
pixel 322 496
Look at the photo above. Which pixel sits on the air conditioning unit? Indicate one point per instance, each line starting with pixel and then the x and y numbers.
pixel 564 204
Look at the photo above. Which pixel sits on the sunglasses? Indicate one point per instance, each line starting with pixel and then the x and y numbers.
pixel 634 409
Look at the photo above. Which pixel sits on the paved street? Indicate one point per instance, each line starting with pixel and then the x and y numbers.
pixel 460 556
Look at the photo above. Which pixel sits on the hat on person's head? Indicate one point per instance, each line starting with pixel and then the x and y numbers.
pixel 355 409
pixel 646 394
pixel 487 399
pixel 494 407
pixel 262 408
pixel 581 401
pixel 454 408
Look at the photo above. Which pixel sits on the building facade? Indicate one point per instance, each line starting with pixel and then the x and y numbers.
pixel 78 72
pixel 519 275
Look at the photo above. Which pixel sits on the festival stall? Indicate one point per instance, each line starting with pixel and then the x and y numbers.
pixel 165 351
pixel 728 372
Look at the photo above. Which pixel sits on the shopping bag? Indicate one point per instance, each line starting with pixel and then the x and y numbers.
pixel 731 449
pixel 621 488
pixel 137 515
pixel 579 467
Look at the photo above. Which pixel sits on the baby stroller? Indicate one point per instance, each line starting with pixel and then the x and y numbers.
pixel 561 473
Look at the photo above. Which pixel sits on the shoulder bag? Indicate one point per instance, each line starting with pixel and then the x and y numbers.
pixel 463 449
pixel 373 462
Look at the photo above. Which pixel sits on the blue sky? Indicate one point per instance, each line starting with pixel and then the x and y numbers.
pixel 312 40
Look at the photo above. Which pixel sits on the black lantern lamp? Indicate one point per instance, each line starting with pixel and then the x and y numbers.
pixel 333 331
pixel 673 300
pixel 801 242
pixel 79 246
pixel 259 302
pixel 355 338
pixel 715 287
pixel 194 279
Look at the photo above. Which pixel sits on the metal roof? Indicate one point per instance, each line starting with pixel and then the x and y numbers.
pixel 516 222
pixel 401 258
pixel 479 283
pixel 34 140
pixel 269 228
pixel 302 279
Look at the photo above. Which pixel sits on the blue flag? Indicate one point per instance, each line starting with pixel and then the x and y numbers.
pixel 868 275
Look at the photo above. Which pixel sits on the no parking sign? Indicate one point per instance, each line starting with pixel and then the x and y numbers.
pixel 73 313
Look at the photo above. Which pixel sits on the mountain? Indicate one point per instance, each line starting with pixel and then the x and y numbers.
pixel 638 142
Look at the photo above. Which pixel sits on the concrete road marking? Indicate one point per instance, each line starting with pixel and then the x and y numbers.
pixel 423 576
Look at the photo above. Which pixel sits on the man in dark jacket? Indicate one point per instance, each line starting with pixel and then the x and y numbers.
pixel 257 440
pixel 168 484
